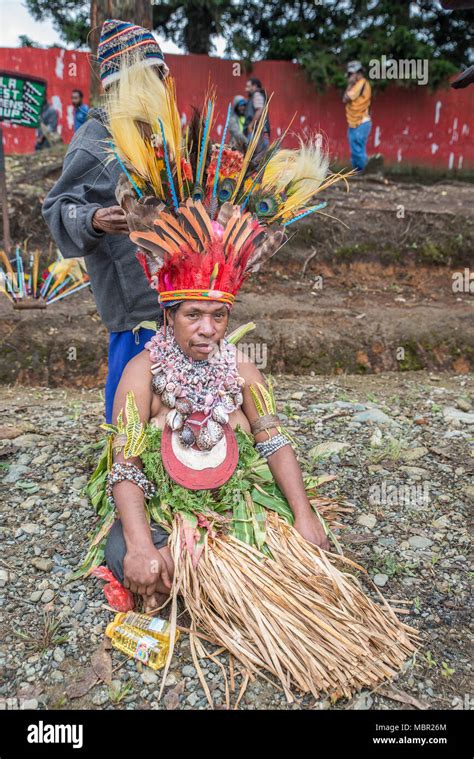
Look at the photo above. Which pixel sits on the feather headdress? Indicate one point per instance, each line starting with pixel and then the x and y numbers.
pixel 203 215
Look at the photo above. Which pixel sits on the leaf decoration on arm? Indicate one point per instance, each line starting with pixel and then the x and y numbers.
pixel 265 404
pixel 134 429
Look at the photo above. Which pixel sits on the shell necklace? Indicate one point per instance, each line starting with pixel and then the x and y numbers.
pixel 185 385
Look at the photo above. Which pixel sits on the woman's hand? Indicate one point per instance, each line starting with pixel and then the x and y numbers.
pixel 146 572
pixel 311 529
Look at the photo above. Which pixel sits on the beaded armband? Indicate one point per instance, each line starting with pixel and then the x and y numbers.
pixel 268 447
pixel 128 471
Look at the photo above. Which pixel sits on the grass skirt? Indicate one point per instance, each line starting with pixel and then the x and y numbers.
pixel 252 585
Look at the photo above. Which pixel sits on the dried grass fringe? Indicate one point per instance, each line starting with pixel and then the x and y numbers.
pixel 296 616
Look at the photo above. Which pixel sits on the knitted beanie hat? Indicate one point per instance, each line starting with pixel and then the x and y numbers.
pixel 119 39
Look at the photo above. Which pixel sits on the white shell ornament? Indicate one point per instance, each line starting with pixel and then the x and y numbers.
pixel 227 402
pixel 174 420
pixel 184 406
pixel 158 383
pixel 204 441
pixel 215 431
pixel 219 414
pixel 168 399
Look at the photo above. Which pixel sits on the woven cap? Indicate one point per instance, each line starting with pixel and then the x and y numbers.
pixel 119 39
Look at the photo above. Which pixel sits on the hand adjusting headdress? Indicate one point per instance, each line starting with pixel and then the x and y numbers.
pixel 203 216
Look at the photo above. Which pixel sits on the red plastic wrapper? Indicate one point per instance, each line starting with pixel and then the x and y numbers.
pixel 119 598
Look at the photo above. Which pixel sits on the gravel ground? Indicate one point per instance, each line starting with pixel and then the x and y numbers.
pixel 378 434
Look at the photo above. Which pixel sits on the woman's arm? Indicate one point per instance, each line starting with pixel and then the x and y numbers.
pixel 145 571
pixel 283 465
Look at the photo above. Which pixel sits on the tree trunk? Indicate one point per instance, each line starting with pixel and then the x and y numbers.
pixel 137 11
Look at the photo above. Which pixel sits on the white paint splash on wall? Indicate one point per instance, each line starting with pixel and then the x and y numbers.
pixel 434 148
pixel 455 133
pixel 302 119
pixel 430 135
pixel 465 130
pixel 451 161
pixel 70 116
pixel 377 137
pixel 278 131
pixel 56 102
pixel 437 111
pixel 399 155
pixel 406 130
pixel 59 70
pixel 219 129
pixel 460 160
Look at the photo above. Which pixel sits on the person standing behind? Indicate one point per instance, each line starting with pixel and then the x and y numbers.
pixel 238 140
pixel 357 99
pixel 80 108
pixel 256 99
pixel 84 219
pixel 48 126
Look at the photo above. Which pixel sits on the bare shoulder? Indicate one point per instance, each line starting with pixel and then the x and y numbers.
pixel 135 379
pixel 137 371
pixel 247 369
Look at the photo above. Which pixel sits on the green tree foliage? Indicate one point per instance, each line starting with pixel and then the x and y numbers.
pixel 25 41
pixel 70 18
pixel 322 37
pixel 191 24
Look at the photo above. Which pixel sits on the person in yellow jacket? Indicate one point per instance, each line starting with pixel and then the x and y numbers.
pixel 357 99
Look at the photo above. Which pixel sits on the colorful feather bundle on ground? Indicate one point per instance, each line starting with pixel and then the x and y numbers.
pixel 39 289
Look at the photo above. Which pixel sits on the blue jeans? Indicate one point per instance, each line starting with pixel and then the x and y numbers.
pixel 122 347
pixel 358 137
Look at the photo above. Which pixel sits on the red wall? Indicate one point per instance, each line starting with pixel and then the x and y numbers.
pixel 409 126
pixel 64 70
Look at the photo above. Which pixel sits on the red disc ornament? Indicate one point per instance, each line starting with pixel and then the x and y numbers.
pixel 195 469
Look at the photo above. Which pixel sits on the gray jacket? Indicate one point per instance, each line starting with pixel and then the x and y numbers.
pixel 120 288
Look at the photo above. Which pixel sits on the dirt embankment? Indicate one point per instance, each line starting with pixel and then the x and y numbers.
pixel 383 285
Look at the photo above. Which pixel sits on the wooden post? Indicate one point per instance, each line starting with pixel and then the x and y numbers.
pixel 7 244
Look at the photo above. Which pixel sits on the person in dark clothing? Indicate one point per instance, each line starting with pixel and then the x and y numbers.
pixel 256 100
pixel 237 138
pixel 82 214
pixel 48 126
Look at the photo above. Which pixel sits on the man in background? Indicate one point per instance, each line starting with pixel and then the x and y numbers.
pixel 48 126
pixel 80 108
pixel 237 138
pixel 82 214
pixel 256 99
pixel 357 99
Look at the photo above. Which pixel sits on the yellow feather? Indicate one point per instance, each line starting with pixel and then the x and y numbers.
pixel 299 173
pixel 134 104
pixel 175 128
